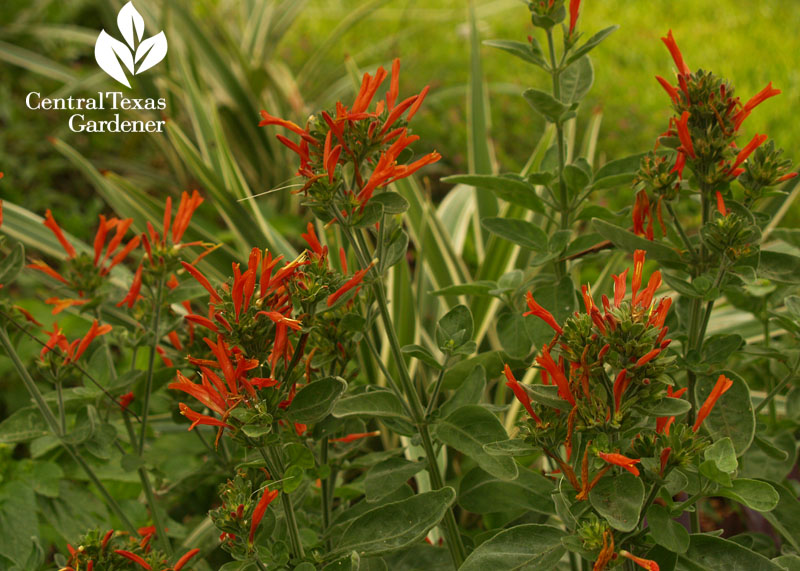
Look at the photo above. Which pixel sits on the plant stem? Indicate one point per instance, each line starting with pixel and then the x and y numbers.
pixel 151 363
pixel 288 509
pixel 437 388
pixel 681 231
pixel 564 210
pixel 454 543
pixel 52 423
pixel 778 388
pixel 326 504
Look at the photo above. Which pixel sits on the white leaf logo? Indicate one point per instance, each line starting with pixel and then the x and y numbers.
pixel 115 57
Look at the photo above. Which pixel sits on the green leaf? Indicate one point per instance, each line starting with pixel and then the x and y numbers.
pixel 395 249
pixel 546 395
pixel 474 288
pixel 512 332
pixel 23 425
pixel 770 458
pixel 491 361
pixel 754 494
pixel 732 416
pixel 709 470
pixel 667 406
pixel 12 264
pixel 292 478
pixel 779 267
pixel 481 493
pixel 18 522
pixel 590 44
pixel 717 349
pixel 619 500
pixel 396 525
pixel 521 232
pixel 629 242
pixel 529 547
pixel 380 403
pixel 788 562
pixel 510 447
pixel 530 52
pixel 393 203
pixel 422 354
pixel 709 553
pixel 576 80
pixel 576 179
pixel 723 455
pixel 785 517
pixel 315 401
pixel 387 476
pixel 454 328
pixel 507 187
pixel 469 392
pixel 545 104
pixel 470 427
pixel 666 531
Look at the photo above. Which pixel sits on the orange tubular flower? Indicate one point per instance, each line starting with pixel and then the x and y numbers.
pixel 606 553
pixel 520 393
pixel 185 559
pixel 620 282
pixel 60 305
pixel 721 204
pixel 720 387
pixel 133 292
pixel 682 126
pixel 349 284
pixel 672 46
pixel 135 558
pixel 638 266
pixel 621 461
pixel 356 436
pixel 749 148
pixel 620 384
pixel 649 356
pixel 671 91
pixel 196 274
pixel 756 100
pixel 546 361
pixel 574 11
pixel 51 223
pixel 261 508
pixel 541 313
pixel 664 422
pixel 643 563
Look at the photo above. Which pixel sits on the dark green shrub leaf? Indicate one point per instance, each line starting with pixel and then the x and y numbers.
pixel 507 187
pixel 576 81
pixel 422 354
pixel 723 455
pixel 468 429
pixel 629 242
pixel 667 406
pixel 513 335
pixel 387 476
pixel 666 531
pixel 754 494
pixel 545 104
pixel 396 525
pixel 482 493
pixel 315 401
pixel 530 547
pixel 619 500
pixel 530 52
pixel 454 329
pixel 381 403
pixel 521 232
pixel 392 202
pixel 24 425
pixel 709 553
pixel 469 392
pixel 785 517
pixel 591 43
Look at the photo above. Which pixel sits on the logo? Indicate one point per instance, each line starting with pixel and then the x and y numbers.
pixel 115 57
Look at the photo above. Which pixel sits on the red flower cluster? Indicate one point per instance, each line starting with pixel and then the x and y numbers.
pixel 356 135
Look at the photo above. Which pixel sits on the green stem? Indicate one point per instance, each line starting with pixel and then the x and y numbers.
pixel 52 423
pixel 437 388
pixel 273 467
pixel 564 209
pixel 151 363
pixel 325 495
pixel 147 487
pixel 454 543
pixel 778 388
pixel 62 416
pixel 681 231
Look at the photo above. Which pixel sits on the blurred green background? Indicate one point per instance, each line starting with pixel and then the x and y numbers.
pixel 749 43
